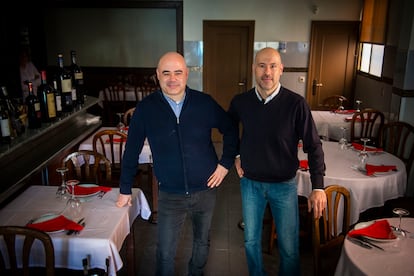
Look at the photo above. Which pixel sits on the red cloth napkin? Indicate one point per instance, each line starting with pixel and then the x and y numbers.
pixel 380 229
pixel 116 140
pixel 303 164
pixel 348 111
pixel 56 224
pixel 371 169
pixel 361 147
pixel 81 190
pixel 348 119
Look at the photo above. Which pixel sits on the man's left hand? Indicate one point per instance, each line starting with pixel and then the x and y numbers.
pixel 217 177
pixel 317 201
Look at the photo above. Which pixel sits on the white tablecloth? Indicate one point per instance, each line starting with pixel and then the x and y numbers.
pixel 144 158
pixel 395 260
pixel 106 228
pixel 329 124
pixel 366 191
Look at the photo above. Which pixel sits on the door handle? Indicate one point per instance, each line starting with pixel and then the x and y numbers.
pixel 241 84
pixel 315 84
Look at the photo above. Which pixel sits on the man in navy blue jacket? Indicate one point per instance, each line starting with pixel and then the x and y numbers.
pixel 178 122
pixel 274 119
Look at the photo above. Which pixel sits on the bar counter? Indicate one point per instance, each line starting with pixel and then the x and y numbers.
pixel 30 153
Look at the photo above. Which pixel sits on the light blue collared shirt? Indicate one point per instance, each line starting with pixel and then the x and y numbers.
pixel 175 106
pixel 271 96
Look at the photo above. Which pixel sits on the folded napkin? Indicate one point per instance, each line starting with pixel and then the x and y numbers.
pixel 380 229
pixel 361 147
pixel 348 119
pixel 116 140
pixel 346 111
pixel 81 190
pixel 56 224
pixel 303 164
pixel 371 169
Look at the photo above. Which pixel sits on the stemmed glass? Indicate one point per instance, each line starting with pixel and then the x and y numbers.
pixel 120 125
pixel 74 203
pixel 343 142
pixel 62 191
pixel 341 106
pixel 358 102
pixel 363 154
pixel 400 212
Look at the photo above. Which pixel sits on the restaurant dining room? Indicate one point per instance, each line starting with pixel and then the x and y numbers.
pixel 66 111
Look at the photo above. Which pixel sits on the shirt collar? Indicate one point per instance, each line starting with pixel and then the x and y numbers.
pixel 271 96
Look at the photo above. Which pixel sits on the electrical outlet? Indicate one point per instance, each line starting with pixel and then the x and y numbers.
pixel 301 79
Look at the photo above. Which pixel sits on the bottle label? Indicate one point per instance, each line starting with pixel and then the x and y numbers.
pixel 58 103
pixel 74 95
pixel 51 106
pixel 78 76
pixel 67 86
pixel 5 127
pixel 37 107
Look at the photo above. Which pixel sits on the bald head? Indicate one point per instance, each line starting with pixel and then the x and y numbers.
pixel 172 73
pixel 267 68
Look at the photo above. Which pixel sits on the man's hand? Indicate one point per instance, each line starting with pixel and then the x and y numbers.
pixel 237 164
pixel 317 201
pixel 124 200
pixel 217 177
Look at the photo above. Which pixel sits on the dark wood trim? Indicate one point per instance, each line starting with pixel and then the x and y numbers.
pixel 403 93
pixel 295 69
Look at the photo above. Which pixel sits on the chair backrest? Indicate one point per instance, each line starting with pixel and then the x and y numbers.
pixel 114 102
pixel 115 142
pixel 25 237
pixel 127 115
pixel 327 234
pixel 334 102
pixel 367 124
pixel 398 138
pixel 88 166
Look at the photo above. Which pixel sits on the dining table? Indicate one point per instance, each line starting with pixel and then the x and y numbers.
pixel 145 158
pixel 367 191
pixel 330 124
pixel 395 257
pixel 106 226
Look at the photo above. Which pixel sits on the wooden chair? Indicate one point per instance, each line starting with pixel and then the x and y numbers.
pixel 327 236
pixel 110 143
pixel 367 124
pixel 334 102
pixel 398 138
pixel 12 236
pixel 127 116
pixel 114 102
pixel 88 167
pixel 304 219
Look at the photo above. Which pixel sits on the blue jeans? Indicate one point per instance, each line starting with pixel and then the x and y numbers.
pixel 172 212
pixel 283 201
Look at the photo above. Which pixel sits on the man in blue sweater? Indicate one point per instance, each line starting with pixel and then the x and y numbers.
pixel 178 123
pixel 274 120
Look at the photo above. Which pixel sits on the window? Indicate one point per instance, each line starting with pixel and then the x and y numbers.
pixel 371 59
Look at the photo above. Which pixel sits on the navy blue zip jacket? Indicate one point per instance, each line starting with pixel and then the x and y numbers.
pixel 183 154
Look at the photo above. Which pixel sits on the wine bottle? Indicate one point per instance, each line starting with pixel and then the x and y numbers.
pixel 58 99
pixel 34 114
pixel 47 99
pixel 77 79
pixel 64 85
pixel 5 125
pixel 16 123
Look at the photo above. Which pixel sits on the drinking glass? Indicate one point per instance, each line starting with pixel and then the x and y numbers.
pixel 358 102
pixel 120 126
pixel 74 204
pixel 343 143
pixel 62 191
pixel 400 212
pixel 363 154
pixel 341 106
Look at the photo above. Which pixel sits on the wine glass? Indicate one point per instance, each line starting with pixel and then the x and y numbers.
pixel 62 191
pixel 363 154
pixel 358 102
pixel 120 126
pixel 343 143
pixel 341 106
pixel 75 208
pixel 400 212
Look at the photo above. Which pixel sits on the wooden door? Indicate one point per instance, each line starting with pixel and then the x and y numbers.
pixel 227 60
pixel 333 60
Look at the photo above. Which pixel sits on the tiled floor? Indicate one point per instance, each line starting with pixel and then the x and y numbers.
pixel 227 255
